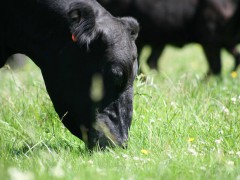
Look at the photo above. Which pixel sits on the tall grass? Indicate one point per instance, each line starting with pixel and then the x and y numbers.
pixel 183 127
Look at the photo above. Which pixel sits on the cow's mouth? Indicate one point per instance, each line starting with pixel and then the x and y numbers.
pixel 105 130
pixel 103 135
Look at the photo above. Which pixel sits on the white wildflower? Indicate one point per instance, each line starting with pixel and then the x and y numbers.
pixel 58 171
pixel 238 177
pixel 218 141
pixel 234 100
pixel 117 157
pixel 225 110
pixel 192 151
pixel 136 158
pixel 220 131
pixel 90 161
pixel 238 153
pixel 125 156
pixel 203 168
pixel 152 121
pixel 231 152
pixel 101 171
pixel 17 174
pixel 230 163
pixel 174 104
pixel 169 155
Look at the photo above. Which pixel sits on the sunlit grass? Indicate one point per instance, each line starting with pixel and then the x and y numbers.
pixel 183 127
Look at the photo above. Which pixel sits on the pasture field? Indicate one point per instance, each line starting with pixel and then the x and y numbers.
pixel 183 127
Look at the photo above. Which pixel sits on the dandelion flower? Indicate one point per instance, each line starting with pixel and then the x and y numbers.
pixel 144 151
pixel 234 74
pixel 190 139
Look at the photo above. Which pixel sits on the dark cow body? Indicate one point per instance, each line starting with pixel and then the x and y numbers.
pixel 215 24
pixel 104 45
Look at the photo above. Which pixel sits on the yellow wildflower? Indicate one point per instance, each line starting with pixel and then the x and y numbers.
pixel 190 139
pixel 144 151
pixel 234 74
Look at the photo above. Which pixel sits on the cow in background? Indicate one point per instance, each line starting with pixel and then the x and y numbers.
pixel 214 24
pixel 72 41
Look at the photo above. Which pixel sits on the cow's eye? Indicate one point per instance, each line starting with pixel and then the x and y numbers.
pixel 133 32
pixel 118 77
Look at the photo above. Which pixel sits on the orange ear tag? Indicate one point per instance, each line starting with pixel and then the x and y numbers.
pixel 74 38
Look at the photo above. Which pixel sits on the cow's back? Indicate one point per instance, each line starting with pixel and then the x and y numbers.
pixel 167 14
pixel 32 27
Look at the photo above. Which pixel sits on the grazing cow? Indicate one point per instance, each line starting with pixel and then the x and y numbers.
pixel 72 41
pixel 215 24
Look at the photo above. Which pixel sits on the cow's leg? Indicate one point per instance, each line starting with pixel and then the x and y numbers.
pixel 212 53
pixel 236 55
pixel 154 56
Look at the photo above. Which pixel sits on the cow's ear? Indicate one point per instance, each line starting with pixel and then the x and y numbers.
pixel 132 26
pixel 82 22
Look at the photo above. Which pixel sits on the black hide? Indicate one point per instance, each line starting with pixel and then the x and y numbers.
pixel 102 44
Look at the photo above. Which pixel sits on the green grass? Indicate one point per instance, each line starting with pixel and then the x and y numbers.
pixel 189 127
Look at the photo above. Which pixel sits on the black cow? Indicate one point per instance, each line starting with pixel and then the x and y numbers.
pixel 72 41
pixel 215 24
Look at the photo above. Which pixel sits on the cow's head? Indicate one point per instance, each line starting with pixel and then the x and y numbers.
pixel 110 56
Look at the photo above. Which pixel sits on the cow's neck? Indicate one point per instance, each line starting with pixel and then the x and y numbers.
pixel 35 29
